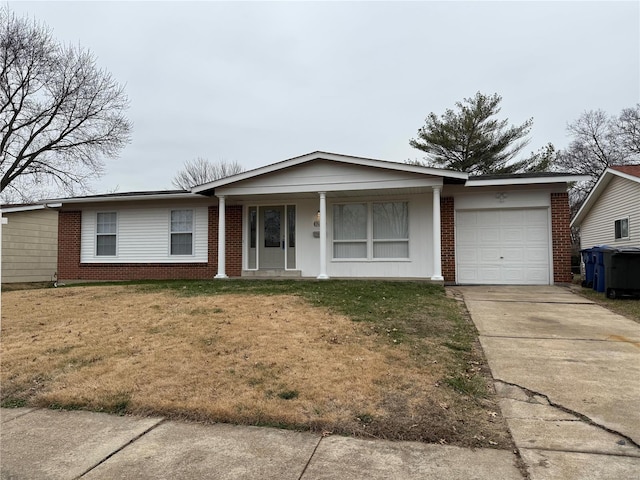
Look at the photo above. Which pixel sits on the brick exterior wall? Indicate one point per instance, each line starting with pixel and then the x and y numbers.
pixel 561 237
pixel 70 268
pixel 448 239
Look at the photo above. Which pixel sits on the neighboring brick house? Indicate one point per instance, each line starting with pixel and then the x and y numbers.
pixel 325 215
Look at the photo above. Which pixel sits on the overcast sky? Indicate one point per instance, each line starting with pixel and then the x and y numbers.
pixel 261 82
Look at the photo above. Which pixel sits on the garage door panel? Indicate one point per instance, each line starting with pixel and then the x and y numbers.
pixel 467 236
pixel 511 217
pixel 536 235
pixel 489 255
pixel 537 275
pixel 513 235
pixel 534 254
pixel 486 218
pixel 468 255
pixel 536 217
pixel 513 275
pixel 488 236
pixel 513 255
pixel 503 246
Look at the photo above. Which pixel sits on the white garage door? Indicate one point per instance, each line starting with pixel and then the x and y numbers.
pixel 502 247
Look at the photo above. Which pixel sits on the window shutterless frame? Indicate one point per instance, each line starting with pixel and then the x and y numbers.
pixel 106 234
pixel 181 228
pixel 621 228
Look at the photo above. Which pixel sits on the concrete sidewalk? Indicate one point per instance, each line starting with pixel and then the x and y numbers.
pixel 47 444
pixel 568 373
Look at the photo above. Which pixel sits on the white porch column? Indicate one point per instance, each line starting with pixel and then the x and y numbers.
pixel 323 236
pixel 222 253
pixel 437 247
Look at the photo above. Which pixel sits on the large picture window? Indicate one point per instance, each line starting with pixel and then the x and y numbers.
pixel 181 232
pixel 106 233
pixel 622 228
pixel 391 230
pixel 350 230
pixel 376 230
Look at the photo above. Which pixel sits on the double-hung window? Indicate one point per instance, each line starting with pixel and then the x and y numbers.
pixel 377 230
pixel 181 232
pixel 622 229
pixel 106 233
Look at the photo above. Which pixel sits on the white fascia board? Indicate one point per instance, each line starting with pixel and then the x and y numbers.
pixel 524 181
pixel 367 162
pixel 23 208
pixel 595 192
pixel 129 198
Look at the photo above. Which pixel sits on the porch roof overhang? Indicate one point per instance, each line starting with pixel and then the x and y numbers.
pixel 398 176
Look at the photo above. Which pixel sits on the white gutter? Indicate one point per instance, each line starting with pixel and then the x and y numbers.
pixel 525 181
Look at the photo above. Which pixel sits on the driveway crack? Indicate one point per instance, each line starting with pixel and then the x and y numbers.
pixel 579 415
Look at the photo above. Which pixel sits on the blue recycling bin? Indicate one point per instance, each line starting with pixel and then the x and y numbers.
pixel 599 279
pixel 589 267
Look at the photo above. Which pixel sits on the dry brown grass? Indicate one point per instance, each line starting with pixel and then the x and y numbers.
pixel 252 359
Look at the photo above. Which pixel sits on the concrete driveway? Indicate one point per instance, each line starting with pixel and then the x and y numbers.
pixel 568 374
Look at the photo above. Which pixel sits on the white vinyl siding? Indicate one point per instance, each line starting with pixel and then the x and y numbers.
pixel 620 199
pixel 144 236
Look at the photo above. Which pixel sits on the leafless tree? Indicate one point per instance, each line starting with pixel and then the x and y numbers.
pixel 628 128
pixel 599 140
pixel 201 171
pixel 60 114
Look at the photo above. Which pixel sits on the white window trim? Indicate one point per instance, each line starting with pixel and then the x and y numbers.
pixel 96 234
pixel 192 232
pixel 370 240
pixel 628 229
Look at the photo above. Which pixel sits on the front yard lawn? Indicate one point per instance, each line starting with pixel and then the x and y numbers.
pixel 395 360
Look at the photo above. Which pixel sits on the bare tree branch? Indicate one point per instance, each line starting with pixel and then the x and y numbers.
pixel 201 171
pixel 60 115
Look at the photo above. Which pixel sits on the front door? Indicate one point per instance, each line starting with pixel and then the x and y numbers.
pixel 272 246
pixel 272 237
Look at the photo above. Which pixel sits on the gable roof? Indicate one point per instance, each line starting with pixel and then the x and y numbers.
pixel 336 157
pixel 630 172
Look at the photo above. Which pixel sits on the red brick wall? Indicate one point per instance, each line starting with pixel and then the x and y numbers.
pixel 70 268
pixel 68 244
pixel 448 238
pixel 561 237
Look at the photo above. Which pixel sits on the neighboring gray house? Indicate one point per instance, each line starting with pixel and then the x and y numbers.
pixel 611 213
pixel 29 243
